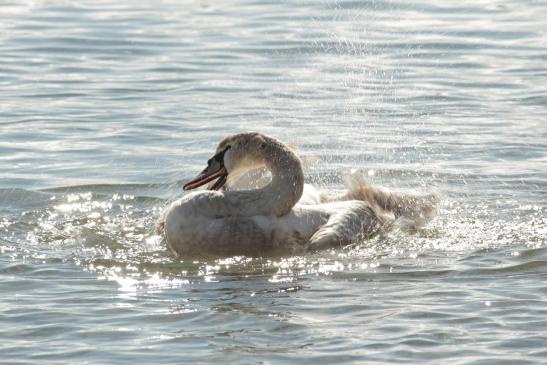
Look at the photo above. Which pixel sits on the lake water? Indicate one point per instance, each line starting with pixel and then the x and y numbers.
pixel 107 106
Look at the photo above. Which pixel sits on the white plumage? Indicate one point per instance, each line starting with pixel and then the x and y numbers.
pixel 284 212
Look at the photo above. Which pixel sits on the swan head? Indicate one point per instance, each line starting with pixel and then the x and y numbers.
pixel 235 154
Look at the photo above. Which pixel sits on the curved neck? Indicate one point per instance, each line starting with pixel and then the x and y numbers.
pixel 281 194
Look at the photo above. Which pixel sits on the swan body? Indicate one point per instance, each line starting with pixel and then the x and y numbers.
pixel 283 212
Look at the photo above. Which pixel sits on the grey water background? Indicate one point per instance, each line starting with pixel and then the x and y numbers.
pixel 106 106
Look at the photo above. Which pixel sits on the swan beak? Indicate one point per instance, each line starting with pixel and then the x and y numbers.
pixel 215 169
pixel 206 176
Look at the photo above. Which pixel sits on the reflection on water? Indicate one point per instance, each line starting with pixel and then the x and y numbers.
pixel 467 279
pixel 115 236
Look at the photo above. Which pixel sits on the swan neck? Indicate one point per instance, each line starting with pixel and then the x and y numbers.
pixel 287 184
pixel 282 193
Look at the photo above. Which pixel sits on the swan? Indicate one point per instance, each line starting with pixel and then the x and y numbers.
pixel 283 212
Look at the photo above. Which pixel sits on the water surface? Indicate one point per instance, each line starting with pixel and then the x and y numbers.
pixel 106 107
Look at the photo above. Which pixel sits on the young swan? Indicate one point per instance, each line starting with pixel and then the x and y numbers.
pixel 252 221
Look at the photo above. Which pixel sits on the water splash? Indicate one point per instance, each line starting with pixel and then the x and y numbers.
pixel 113 235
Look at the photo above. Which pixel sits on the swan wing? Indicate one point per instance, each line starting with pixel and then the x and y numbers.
pixel 348 223
pixel 310 195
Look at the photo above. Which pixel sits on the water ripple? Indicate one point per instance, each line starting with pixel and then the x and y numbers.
pixel 106 107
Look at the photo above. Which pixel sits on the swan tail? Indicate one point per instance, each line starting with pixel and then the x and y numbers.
pixel 418 209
